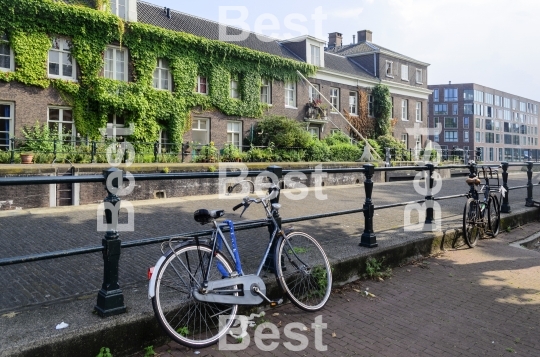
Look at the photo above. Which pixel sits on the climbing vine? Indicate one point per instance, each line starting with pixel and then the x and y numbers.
pixel 30 23
pixel 382 109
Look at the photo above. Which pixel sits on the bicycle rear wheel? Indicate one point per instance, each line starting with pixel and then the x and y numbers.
pixel 494 215
pixel 303 271
pixel 471 220
pixel 187 321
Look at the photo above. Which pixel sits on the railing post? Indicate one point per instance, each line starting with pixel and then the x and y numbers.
pixel 93 160
pixel 472 174
pixel 12 159
pixel 368 237
pixel 110 300
pixel 277 174
pixel 529 200
pixel 156 149
pixel 54 149
pixel 429 197
pixel 388 157
pixel 505 207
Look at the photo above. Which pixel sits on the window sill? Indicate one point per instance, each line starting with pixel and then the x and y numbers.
pixel 389 76
pixel 402 119
pixel 404 80
pixel 290 107
pixel 70 79
pixel 7 70
pixel 201 93
pixel 419 82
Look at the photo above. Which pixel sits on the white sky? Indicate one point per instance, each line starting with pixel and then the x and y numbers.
pixel 495 43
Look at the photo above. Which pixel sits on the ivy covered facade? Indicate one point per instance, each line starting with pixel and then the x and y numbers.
pixel 85 65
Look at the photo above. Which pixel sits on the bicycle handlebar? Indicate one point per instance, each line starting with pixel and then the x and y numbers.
pixel 274 192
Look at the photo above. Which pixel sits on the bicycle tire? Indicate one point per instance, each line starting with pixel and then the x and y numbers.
pixel 189 322
pixel 471 229
pixel 494 215
pixel 303 271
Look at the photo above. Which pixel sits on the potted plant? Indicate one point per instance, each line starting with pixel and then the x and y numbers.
pixel 231 153
pixel 27 157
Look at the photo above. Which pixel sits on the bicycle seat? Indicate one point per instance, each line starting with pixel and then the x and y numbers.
pixel 473 181
pixel 204 216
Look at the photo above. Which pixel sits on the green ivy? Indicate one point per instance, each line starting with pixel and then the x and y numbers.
pixel 382 107
pixel 29 23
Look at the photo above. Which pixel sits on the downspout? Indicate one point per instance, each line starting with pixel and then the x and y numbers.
pixel 375 64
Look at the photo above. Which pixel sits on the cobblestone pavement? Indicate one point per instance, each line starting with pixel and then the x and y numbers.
pixel 466 302
pixel 49 230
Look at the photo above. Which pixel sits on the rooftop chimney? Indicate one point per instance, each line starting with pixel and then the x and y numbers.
pixel 364 36
pixel 335 39
pixel 353 39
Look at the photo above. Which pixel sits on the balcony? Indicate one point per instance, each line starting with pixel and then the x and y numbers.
pixel 316 112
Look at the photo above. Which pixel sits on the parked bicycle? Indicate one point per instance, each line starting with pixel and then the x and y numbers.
pixel 196 281
pixel 482 216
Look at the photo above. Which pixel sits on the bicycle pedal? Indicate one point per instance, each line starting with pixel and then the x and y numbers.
pixel 275 303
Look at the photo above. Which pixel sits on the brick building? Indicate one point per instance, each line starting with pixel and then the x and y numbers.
pixel 498 125
pixel 343 71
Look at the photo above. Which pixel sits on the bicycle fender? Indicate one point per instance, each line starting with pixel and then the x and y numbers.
pixel 152 283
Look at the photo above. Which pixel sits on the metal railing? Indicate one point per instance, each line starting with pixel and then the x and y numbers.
pixel 108 298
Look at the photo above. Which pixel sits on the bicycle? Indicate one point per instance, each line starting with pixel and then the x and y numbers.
pixel 476 223
pixel 195 282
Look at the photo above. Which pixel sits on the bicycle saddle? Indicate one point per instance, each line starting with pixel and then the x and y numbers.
pixel 204 216
pixel 473 181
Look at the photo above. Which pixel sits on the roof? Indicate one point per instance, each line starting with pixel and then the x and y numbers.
pixel 366 47
pixel 155 15
pixel 344 65
pixel 87 3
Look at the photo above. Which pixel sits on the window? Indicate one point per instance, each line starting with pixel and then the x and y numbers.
pixel 477 123
pixel 61 63
pixel 353 103
pixel 6 125
pixel 389 69
pixel 290 94
pixel 478 109
pixel 468 94
pixel 478 96
pixel 477 138
pixel 437 126
pixel 315 55
pixel 450 136
pixel 489 98
pixel 498 101
pixel 435 95
pixel 116 61
pixel 314 131
pixel 200 130
pixel 489 124
pixel 234 133
pixel 522 106
pixel 497 126
pixel 450 94
pixel 334 98
pixel 497 138
pixel 61 123
pixel 162 75
pixel 405 140
pixel 6 54
pixel 371 112
pixel 314 92
pixel 506 102
pixel 440 109
pixel 266 91
pixel 466 123
pixel 489 111
pixel 454 109
pixel 466 136
pixel 234 86
pixel 202 85
pixel 450 123
pixel 404 109
pixel 119 8
pixel 114 122
pixel 514 104
pixel 404 72
pixel 468 108
pixel 419 76
pixel 490 155
pixel 418 111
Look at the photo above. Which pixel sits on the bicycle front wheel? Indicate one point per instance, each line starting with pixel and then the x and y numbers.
pixel 471 221
pixel 303 271
pixel 187 321
pixel 494 215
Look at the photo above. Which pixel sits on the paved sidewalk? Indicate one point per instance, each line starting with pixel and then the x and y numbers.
pixel 465 302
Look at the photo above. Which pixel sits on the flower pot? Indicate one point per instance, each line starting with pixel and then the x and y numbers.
pixel 27 158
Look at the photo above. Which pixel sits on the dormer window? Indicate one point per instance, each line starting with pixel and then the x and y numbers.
pixel 315 55
pixel 389 69
pixel 120 8
pixel 61 63
pixel 6 54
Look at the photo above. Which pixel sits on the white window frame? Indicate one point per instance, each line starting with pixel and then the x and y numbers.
pixel 11 124
pixel 61 52
pixel 5 40
pixel 162 70
pixel 404 109
pixel 314 94
pixel 196 126
pixel 199 85
pixel 234 133
pixel 334 99
pixel 61 122
pixel 114 125
pixel 115 6
pixel 234 87
pixel 405 72
pixel 290 95
pixel 371 106
pixel 419 111
pixel 353 102
pixel 113 73
pixel 266 86
pixel 315 55
pixel 389 69
pixel 419 76
pixel 466 136
pixel 315 131
pixel 405 140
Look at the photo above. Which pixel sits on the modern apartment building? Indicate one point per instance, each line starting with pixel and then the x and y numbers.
pixel 497 125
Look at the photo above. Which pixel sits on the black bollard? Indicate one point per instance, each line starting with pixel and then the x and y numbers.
pixel 429 198
pixel 270 259
pixel 368 237
pixel 529 200
pixel 505 207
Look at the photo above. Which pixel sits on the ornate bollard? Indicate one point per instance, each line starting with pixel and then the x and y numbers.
pixel 505 207
pixel 429 198
pixel 156 151
pixel 529 200
pixel 110 299
pixel 368 237
pixel 270 259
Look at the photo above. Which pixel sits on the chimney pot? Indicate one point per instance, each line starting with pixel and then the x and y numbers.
pixel 335 39
pixel 365 35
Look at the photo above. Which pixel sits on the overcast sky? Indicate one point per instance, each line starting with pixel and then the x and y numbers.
pixel 495 43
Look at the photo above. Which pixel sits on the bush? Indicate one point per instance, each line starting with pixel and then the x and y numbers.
pixel 282 132
pixel 318 151
pixel 345 152
pixel 230 153
pixel 259 155
pixel 374 144
pixel 337 138
pixel 388 141
pixel 38 138
pixel 289 155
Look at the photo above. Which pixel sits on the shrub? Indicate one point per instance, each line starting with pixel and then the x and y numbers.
pixel 38 138
pixel 345 152
pixel 374 144
pixel 337 138
pixel 318 151
pixel 283 132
